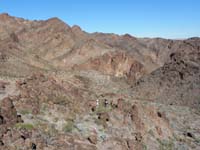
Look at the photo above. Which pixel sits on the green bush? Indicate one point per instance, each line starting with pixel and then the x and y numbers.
pixel 69 126
pixel 24 126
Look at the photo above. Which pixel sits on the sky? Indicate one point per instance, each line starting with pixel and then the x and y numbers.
pixel 140 18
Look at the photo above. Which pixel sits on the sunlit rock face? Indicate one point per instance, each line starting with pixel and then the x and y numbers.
pixel 118 64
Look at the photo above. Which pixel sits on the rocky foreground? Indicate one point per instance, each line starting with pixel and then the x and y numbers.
pixel 63 88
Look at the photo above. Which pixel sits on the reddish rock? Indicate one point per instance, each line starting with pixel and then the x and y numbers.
pixel 8 111
pixel 92 139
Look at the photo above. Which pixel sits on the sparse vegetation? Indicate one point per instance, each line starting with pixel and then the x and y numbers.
pixel 166 144
pixel 24 126
pixel 51 130
pixel 69 126
pixel 197 140
pixel 144 147
pixel 151 133
pixel 103 109
pixel 60 100
pixel 25 112
pixel 99 122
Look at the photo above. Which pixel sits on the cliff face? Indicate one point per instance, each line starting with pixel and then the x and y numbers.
pixel 61 87
pixel 118 64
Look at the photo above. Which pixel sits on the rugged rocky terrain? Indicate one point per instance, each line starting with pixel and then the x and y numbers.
pixel 63 88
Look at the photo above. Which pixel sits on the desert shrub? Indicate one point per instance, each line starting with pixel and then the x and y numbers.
pixel 25 111
pixel 166 144
pixel 69 126
pixel 24 126
pixel 60 100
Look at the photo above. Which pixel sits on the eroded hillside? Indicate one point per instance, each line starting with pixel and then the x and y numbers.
pixel 63 88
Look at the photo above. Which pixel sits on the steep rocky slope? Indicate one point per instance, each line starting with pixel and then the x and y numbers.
pixel 63 88
pixel 178 81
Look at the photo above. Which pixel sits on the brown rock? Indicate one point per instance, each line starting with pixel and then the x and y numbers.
pixel 8 111
pixel 92 139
